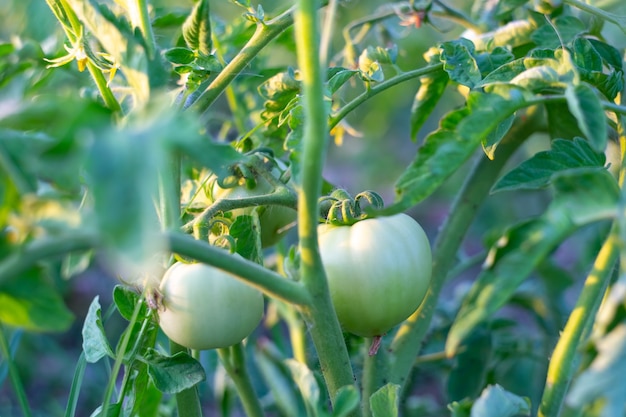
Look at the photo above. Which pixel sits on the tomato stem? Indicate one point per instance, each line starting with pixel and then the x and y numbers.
pixel 233 359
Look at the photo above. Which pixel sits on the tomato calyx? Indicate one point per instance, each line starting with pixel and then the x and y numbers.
pixel 344 210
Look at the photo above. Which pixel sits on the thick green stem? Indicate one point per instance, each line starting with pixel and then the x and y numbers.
pixel 103 87
pixel 14 375
pixel 320 314
pixel 234 362
pixel 408 339
pixel 254 274
pixel 262 36
pixel 141 19
pixel 375 370
pixel 564 361
pixel 379 88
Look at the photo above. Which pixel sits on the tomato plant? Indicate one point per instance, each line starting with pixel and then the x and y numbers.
pixel 378 271
pixel 137 133
pixel 205 308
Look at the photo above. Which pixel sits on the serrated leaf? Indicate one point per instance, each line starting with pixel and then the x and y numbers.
pixel 346 401
pixel 587 108
pixel 430 91
pixel 537 171
pixel 95 343
pixel 489 61
pixel 173 374
pixel 495 401
pixel 446 149
pixel 568 28
pixel 246 231
pixel 197 28
pixel 306 382
pixel 180 56
pixel 385 401
pixel 582 196
pixel 30 302
pixel 459 62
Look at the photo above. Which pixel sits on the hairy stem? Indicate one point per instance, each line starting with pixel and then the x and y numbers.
pixel 409 337
pixel 234 362
pixel 324 326
pixel 564 361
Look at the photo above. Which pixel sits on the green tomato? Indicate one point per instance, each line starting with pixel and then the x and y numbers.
pixel 378 271
pixel 207 308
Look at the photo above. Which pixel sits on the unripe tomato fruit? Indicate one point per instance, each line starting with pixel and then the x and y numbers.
pixel 207 308
pixel 378 271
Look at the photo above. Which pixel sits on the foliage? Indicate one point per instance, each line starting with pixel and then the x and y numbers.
pixel 109 166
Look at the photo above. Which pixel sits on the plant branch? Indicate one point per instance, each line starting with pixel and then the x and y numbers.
pixel 187 401
pixel 564 360
pixel 320 314
pixel 409 337
pixel 254 274
pixel 234 362
pixel 379 88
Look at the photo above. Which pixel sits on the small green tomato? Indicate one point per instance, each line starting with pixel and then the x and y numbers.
pixel 378 271
pixel 207 308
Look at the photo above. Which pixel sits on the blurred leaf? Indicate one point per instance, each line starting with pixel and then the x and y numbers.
pixel 459 62
pixel 537 171
pixel 339 77
pixel 180 56
pixel 126 300
pixel 306 382
pixel 587 108
pixel 346 401
pixel 585 55
pixel 603 378
pixel 371 61
pixel 489 61
pixel 568 27
pixel 30 302
pixel 274 374
pixel 114 409
pixel 144 398
pixel 95 343
pixel 561 123
pixel 428 95
pixel 581 196
pixel 197 28
pixel 384 402
pixel 75 263
pixel 610 55
pixel 495 401
pixel 173 374
pixel 461 409
pixel 467 377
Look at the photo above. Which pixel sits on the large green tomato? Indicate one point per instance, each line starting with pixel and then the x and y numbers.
pixel 207 308
pixel 378 271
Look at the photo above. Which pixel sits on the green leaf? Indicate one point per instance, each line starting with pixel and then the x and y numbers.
pixel 339 78
pixel 537 171
pixel 582 196
pixel 446 149
pixel 346 401
pixel 430 91
pixel 95 343
pixel 495 401
pixel 468 375
pixel 490 143
pixel 585 55
pixel 306 382
pixel 197 28
pixel 568 27
pixel 587 108
pixel 126 300
pixel 180 56
pixel 459 62
pixel 246 231
pixel 611 56
pixel 32 303
pixel 173 374
pixel 384 402
pixel 489 61
pixel 561 123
